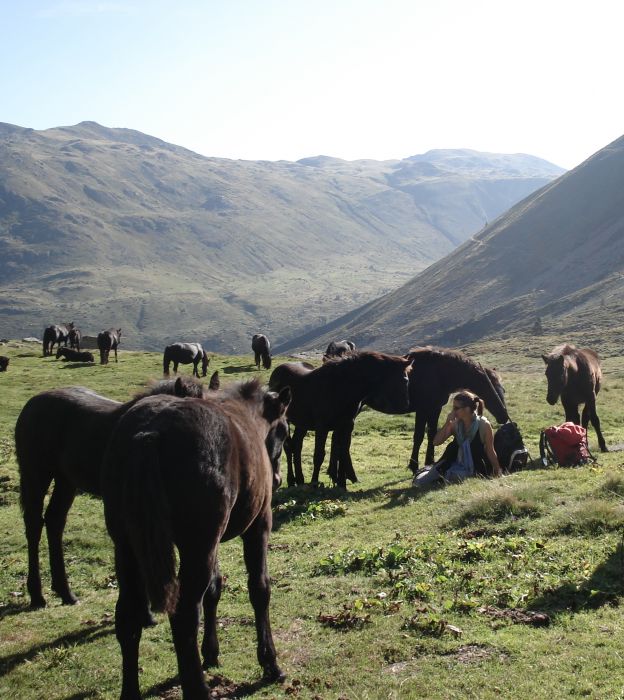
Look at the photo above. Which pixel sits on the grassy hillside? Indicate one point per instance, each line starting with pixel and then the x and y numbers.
pixel 557 256
pixel 377 592
pixel 110 227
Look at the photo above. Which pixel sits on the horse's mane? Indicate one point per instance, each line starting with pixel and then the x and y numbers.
pixel 355 357
pixel 432 352
pixel 564 349
pixel 188 386
pixel 250 390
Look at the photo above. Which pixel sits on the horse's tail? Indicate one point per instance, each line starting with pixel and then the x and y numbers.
pixel 147 514
pixel 266 360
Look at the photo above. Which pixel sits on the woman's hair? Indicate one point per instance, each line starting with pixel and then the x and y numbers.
pixel 467 398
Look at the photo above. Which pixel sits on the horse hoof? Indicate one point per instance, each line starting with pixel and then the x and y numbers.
pixel 37 603
pixel 149 620
pixel 210 663
pixel 274 674
pixel 69 598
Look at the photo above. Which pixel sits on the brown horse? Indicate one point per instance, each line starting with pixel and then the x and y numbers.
pixel 188 474
pixel 262 350
pixel 107 341
pixel 438 372
pixel 60 437
pixel 575 375
pixel 329 397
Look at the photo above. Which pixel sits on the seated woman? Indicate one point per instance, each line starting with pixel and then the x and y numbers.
pixel 471 452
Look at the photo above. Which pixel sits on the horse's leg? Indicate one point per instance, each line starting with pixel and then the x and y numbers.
pixel 257 360
pixel 589 413
pixel 332 469
pixel 175 366
pixel 419 435
pixel 115 349
pixel 320 438
pixel 195 370
pixel 55 519
pixel 197 564
pixel 432 429
pixel 571 411
pixel 210 644
pixel 32 497
pixel 287 447
pixel 129 611
pixel 255 544
pixel 346 470
pixel 297 446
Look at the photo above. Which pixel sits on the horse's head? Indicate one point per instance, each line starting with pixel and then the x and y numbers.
pixel 499 411
pixel 556 375
pixel 59 352
pixel 390 390
pixel 274 412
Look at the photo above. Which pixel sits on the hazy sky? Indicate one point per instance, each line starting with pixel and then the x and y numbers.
pixel 285 79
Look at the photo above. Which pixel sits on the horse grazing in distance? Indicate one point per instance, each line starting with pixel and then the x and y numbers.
pixel 55 335
pixel 4 363
pixel 60 437
pixel 436 373
pixel 189 474
pixel 329 397
pixel 262 350
pixel 185 353
pixel 75 336
pixel 338 348
pixel 575 376
pixel 107 341
pixel 74 355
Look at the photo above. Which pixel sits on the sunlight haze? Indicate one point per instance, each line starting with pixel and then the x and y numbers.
pixel 287 79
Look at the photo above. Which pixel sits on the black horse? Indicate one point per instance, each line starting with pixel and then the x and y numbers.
pixel 107 341
pixel 75 336
pixel 329 397
pixel 60 437
pixel 74 355
pixel 338 348
pixel 185 353
pixel 262 350
pixel 55 335
pixel 576 376
pixel 436 373
pixel 188 474
pixel 4 363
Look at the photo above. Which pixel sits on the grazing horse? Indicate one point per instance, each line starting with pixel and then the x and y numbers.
pixel 338 348
pixel 4 363
pixel 75 336
pixel 185 353
pixel 74 355
pixel 575 375
pixel 329 397
pixel 55 335
pixel 107 341
pixel 262 350
pixel 60 437
pixel 436 374
pixel 189 474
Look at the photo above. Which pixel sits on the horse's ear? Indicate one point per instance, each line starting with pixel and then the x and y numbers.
pixel 119 331
pixel 178 387
pixel 215 382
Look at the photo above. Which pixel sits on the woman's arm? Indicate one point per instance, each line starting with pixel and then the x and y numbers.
pixel 445 431
pixel 488 437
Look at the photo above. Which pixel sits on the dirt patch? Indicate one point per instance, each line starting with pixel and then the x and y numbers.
pixel 474 654
pixel 522 617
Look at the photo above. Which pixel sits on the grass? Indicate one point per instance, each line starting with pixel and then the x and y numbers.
pixel 377 592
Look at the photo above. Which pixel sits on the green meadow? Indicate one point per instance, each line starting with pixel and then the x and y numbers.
pixel 491 589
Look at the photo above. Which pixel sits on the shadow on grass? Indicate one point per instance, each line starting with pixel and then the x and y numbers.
pixel 604 587
pixel 218 687
pixel 81 696
pixel 82 636
pixel 77 365
pixel 234 369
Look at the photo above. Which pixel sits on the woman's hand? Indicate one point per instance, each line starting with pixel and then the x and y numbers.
pixel 451 417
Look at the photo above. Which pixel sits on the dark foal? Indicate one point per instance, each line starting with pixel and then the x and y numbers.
pixel 436 374
pixel 74 355
pixel 262 350
pixel 329 397
pixel 4 363
pixel 60 437
pixel 188 474
pixel 185 353
pixel 575 376
pixel 107 341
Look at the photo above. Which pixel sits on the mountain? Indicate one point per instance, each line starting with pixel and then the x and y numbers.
pixel 112 227
pixel 556 258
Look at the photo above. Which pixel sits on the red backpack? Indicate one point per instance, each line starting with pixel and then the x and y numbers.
pixel 565 445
